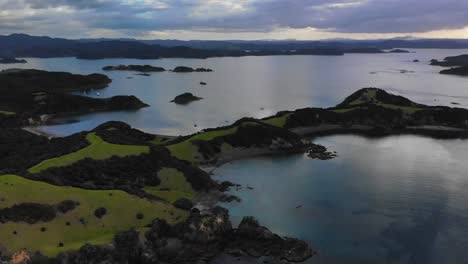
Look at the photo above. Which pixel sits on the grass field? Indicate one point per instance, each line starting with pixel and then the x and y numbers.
pixel 121 215
pixel 187 151
pixel 99 149
pixel 277 121
pixel 173 186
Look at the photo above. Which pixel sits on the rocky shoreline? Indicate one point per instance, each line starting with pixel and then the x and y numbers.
pixel 207 232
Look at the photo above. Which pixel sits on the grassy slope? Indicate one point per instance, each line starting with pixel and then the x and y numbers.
pixel 99 149
pixel 173 186
pixel 277 121
pixel 122 209
pixel 187 151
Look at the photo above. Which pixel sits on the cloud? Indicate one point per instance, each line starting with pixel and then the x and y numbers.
pixel 224 16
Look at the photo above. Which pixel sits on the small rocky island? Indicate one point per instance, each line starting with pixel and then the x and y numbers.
pixel 137 68
pixel 398 51
pixel 182 69
pixel 185 98
pixel 11 61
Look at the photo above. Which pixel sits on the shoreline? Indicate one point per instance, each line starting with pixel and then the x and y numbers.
pixel 34 130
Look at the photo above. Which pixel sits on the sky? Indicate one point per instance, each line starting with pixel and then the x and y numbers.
pixel 236 19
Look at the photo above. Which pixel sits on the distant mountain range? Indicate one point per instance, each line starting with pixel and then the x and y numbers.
pixel 21 45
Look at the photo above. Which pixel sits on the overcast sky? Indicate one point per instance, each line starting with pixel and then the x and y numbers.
pixel 236 19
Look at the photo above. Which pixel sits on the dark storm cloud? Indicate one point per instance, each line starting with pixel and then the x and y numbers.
pixel 349 16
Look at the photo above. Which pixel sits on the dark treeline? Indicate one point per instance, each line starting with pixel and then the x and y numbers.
pixel 20 45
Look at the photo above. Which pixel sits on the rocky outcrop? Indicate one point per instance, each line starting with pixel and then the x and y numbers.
pixel 185 98
pixel 198 240
pixel 138 68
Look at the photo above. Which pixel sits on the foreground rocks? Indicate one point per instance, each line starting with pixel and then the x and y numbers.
pixel 321 153
pixel 185 98
pixel 199 239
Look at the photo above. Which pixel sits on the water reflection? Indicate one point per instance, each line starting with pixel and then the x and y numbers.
pixel 257 86
pixel 391 200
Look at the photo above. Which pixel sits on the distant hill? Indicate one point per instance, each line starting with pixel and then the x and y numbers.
pixel 21 45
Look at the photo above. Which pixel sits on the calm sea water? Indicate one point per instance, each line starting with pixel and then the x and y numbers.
pixel 389 200
pixel 399 199
pixel 241 87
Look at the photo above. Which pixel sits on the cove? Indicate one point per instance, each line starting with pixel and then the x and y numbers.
pixel 398 199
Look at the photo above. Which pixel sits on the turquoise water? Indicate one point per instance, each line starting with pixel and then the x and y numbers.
pixel 242 87
pixel 390 200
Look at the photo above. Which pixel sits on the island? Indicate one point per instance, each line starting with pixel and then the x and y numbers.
pixel 183 69
pixel 37 96
pixel 398 51
pixel 137 68
pixel 116 194
pixel 458 64
pixel 11 61
pixel 453 61
pixel 460 71
pixel 185 98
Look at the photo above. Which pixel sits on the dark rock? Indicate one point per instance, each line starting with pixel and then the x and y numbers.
pixel 202 83
pixel 226 185
pixel 225 198
pixel 184 204
pixel 198 240
pixel 321 153
pixel 185 98
pixel 415 60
